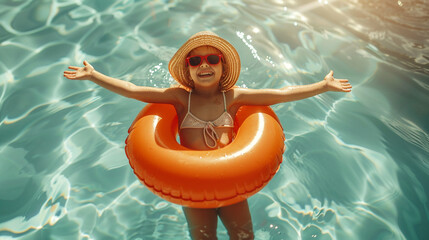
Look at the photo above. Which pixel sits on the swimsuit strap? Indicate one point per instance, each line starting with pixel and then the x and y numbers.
pixel 224 101
pixel 189 101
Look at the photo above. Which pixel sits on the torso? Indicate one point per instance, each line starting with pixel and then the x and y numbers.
pixel 206 109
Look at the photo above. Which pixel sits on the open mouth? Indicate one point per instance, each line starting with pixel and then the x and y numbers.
pixel 205 74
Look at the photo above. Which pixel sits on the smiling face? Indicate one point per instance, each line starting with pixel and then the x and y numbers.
pixel 205 75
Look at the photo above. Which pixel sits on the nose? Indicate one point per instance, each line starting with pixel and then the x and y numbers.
pixel 204 63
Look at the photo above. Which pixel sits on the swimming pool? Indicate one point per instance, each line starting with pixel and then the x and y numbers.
pixel 356 165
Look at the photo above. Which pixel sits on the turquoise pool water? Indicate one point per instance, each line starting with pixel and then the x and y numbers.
pixel 356 165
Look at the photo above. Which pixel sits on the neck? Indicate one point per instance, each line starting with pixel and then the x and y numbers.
pixel 206 91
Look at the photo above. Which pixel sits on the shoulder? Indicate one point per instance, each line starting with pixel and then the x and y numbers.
pixel 180 95
pixel 177 90
pixel 234 91
pixel 237 92
pixel 234 94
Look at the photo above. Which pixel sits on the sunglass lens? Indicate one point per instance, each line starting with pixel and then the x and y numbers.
pixel 195 61
pixel 213 59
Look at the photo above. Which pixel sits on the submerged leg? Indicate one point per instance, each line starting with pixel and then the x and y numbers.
pixel 202 223
pixel 237 220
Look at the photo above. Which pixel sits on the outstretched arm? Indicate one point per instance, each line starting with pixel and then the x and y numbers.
pixel 124 88
pixel 243 96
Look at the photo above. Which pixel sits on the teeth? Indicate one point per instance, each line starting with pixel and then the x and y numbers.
pixel 205 74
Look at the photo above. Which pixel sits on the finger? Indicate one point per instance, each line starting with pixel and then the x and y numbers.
pixel 69 76
pixel 343 80
pixel 73 67
pixel 69 72
pixel 329 75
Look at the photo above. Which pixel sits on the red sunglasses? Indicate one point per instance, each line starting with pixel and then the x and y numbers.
pixel 197 60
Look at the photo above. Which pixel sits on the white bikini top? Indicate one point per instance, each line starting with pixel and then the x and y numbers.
pixel 191 121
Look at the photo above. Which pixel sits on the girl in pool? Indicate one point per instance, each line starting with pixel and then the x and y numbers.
pixel 207 68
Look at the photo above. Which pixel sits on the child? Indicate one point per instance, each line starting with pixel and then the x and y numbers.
pixel 207 67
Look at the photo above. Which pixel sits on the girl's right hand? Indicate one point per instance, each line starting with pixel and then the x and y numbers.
pixel 80 73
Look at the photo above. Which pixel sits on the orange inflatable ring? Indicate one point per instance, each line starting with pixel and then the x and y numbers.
pixel 205 179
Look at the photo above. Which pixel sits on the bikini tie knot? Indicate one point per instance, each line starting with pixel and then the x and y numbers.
pixel 212 135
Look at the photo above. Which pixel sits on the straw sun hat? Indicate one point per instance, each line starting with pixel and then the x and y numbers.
pixel 232 65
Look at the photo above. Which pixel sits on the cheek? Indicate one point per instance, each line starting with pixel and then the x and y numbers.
pixel 191 72
pixel 219 69
pixel 188 75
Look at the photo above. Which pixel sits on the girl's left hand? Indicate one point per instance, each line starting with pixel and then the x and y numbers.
pixel 80 73
pixel 337 85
